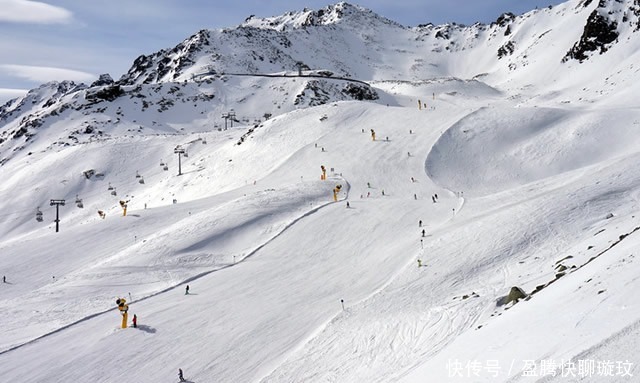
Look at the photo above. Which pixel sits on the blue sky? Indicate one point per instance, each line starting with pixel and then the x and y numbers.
pixel 79 39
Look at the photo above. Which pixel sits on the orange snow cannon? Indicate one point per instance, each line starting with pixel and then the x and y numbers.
pixel 336 190
pixel 123 205
pixel 123 307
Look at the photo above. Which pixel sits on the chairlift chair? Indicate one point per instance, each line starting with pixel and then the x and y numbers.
pixel 38 215
pixel 113 192
pixel 110 187
pixel 141 180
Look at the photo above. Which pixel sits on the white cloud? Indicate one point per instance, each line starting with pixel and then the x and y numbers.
pixel 9 94
pixel 26 11
pixel 42 74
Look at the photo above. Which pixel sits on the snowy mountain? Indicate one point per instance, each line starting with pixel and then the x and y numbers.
pixel 491 233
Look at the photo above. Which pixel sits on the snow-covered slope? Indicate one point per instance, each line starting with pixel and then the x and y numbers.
pixel 504 160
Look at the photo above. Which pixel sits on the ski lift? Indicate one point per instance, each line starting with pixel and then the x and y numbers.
pixel 110 187
pixel 138 174
pixel 141 180
pixel 162 163
pixel 204 141
pixel 38 215
pixel 165 167
pixel 79 202
pixel 186 154
pixel 113 192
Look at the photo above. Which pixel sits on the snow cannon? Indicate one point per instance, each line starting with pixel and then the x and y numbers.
pixel 123 307
pixel 373 134
pixel 123 205
pixel 324 173
pixel 336 190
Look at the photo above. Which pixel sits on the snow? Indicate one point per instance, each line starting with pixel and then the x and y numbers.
pixel 538 187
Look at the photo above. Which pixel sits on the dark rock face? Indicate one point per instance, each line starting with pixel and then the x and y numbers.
pixel 586 3
pixel 319 92
pixel 506 49
pixel 108 93
pixel 505 19
pixel 105 79
pixel 598 34
pixel 360 92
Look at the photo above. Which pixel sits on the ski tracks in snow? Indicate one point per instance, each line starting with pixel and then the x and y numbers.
pixel 181 283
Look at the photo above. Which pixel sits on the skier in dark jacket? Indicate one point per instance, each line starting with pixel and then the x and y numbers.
pixel 135 321
pixel 180 375
pixel 186 290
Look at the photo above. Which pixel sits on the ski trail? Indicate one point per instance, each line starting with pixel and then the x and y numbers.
pixel 179 284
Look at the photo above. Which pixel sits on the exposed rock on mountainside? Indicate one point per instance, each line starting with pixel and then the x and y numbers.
pixel 604 27
pixel 598 34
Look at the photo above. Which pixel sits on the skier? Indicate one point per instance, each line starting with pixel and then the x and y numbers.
pixel 348 204
pixel 433 199
pixel 368 184
pixel 415 196
pixel 186 290
pixel 180 376
pixel 4 279
pixel 408 154
pixel 420 223
pixel 135 321
pixel 382 191
pixel 436 195
pixel 423 232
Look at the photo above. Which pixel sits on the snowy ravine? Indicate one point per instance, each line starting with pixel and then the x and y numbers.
pixel 505 155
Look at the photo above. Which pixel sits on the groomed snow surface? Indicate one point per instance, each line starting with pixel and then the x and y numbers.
pixel 271 259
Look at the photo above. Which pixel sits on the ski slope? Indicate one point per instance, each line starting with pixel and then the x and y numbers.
pixel 269 262
pixel 534 168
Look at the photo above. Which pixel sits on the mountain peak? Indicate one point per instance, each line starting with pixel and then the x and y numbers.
pixel 331 14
